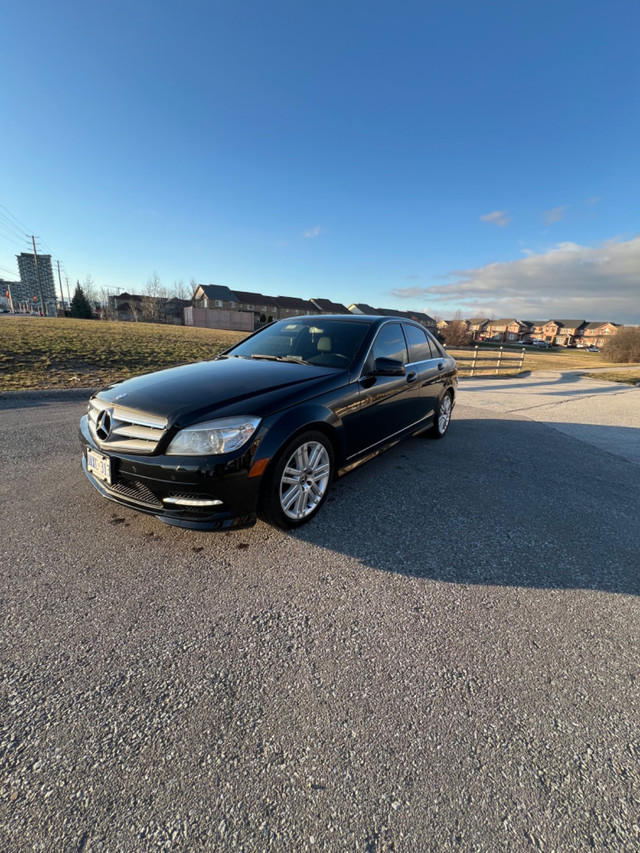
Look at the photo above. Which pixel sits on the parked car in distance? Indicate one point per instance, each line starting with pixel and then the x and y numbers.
pixel 541 344
pixel 593 348
pixel 265 427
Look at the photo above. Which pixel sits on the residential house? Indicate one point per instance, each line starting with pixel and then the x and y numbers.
pixel 508 330
pixel 568 332
pixel 291 306
pixel 597 334
pixel 215 296
pixel 329 307
pixel 152 309
pixel 264 308
pixel 362 308
pixel 477 327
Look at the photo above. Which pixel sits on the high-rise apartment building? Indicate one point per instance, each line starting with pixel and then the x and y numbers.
pixel 35 286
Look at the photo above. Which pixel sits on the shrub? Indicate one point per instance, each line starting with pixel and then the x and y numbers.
pixel 624 346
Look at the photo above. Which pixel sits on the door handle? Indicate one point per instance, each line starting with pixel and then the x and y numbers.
pixel 411 377
pixel 440 365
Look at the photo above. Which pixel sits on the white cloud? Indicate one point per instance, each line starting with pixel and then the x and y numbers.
pixel 314 232
pixel 568 280
pixel 556 214
pixel 498 217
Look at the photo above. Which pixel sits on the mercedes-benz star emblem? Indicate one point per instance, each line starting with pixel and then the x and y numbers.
pixel 103 425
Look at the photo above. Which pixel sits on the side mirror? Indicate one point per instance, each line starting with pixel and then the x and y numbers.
pixel 388 367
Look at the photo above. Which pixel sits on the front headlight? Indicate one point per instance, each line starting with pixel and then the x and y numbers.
pixel 213 437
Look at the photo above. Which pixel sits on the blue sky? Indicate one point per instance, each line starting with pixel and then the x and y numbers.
pixel 479 157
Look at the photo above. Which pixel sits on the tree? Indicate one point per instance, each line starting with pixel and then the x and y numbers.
pixel 80 306
pixel 89 289
pixel 180 290
pixel 456 333
pixel 154 300
pixel 624 346
pixel 107 311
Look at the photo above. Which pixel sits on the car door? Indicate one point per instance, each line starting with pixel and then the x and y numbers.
pixel 388 404
pixel 429 362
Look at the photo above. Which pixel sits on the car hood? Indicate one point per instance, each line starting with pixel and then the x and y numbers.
pixel 225 386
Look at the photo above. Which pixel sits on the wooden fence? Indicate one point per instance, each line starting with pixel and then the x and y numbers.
pixel 491 361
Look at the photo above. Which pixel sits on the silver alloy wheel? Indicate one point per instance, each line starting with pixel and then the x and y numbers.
pixel 304 480
pixel 444 416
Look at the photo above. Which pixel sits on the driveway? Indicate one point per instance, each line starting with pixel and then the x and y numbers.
pixel 605 415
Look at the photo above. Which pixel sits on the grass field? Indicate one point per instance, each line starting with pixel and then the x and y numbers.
pixel 44 353
pixel 556 358
pixel 37 352
pixel 626 377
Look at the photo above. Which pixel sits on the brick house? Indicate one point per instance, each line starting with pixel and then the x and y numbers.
pixel 597 334
pixel 509 330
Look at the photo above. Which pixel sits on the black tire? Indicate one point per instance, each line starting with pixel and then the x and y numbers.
pixel 297 485
pixel 442 417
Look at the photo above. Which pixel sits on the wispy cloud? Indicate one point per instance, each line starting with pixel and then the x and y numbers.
pixel 313 232
pixel 595 283
pixel 555 214
pixel 498 217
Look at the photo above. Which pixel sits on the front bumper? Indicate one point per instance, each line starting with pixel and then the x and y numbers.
pixel 165 486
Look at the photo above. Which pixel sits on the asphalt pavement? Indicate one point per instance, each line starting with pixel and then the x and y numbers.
pixel 446 659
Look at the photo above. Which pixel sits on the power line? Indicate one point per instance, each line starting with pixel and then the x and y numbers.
pixel 10 239
pixel 6 223
pixel 21 224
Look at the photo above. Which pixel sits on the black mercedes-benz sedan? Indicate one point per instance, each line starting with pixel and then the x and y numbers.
pixel 265 427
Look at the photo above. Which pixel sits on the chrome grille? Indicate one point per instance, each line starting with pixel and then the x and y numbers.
pixel 117 428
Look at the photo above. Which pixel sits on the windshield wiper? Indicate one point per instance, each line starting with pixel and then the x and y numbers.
pixel 290 358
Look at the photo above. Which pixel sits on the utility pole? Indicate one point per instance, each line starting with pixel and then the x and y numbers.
pixel 35 257
pixel 61 291
pixel 66 278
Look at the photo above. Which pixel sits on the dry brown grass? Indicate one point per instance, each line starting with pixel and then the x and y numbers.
pixel 43 353
pixel 556 358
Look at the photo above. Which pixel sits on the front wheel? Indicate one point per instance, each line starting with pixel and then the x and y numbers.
pixel 443 417
pixel 297 486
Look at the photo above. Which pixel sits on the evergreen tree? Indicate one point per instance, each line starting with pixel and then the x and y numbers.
pixel 80 306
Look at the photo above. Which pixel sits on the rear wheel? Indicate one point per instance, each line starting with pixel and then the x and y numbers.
pixel 297 486
pixel 443 417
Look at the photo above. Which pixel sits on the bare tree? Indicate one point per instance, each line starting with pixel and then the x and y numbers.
pixel 107 311
pixel 89 290
pixel 456 333
pixel 180 290
pixel 154 300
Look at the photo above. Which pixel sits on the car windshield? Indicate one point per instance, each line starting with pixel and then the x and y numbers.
pixel 323 342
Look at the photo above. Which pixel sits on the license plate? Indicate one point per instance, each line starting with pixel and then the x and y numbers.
pixel 99 465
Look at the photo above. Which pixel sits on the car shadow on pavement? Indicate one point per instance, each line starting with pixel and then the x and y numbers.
pixel 502 502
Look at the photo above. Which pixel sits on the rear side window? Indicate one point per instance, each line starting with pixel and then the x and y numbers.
pixel 419 346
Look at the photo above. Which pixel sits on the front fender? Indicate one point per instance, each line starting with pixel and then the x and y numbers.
pixel 278 429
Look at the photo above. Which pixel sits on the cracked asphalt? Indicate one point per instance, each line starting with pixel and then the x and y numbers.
pixel 446 659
